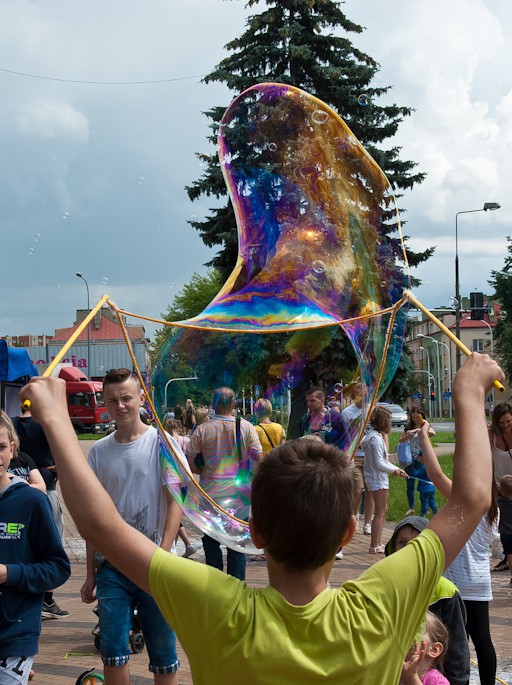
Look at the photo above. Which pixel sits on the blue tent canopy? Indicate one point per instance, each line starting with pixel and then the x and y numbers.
pixel 15 363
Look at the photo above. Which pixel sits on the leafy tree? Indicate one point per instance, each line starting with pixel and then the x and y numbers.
pixel 502 284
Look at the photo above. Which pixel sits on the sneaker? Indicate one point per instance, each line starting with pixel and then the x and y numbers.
pixel 53 611
pixel 190 550
pixel 367 529
pixel 410 512
pixel 339 554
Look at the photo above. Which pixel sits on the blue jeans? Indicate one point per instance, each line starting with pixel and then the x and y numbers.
pixel 428 501
pixel 117 598
pixel 213 556
pixel 410 484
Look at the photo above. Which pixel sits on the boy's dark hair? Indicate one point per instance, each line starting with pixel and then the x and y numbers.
pixel 315 390
pixel 506 487
pixel 119 376
pixel 302 500
pixel 381 419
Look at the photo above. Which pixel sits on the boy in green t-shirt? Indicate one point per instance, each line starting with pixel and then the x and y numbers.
pixel 298 629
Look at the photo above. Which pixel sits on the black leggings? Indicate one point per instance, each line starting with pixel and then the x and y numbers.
pixel 477 627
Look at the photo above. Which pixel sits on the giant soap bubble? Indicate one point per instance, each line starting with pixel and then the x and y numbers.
pixel 320 253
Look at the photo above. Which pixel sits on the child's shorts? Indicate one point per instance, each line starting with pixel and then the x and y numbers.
pixel 15 669
pixel 117 596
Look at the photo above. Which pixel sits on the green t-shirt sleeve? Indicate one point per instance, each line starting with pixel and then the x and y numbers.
pixel 400 587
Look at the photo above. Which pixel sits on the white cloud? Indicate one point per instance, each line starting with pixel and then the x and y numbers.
pixel 54 120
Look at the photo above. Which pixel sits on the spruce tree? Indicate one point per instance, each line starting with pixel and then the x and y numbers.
pixel 303 43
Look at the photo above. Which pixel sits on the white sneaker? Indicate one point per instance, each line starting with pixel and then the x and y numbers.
pixel 339 554
pixel 190 551
pixel 367 529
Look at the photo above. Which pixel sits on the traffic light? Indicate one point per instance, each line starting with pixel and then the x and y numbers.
pixel 476 305
pixel 432 396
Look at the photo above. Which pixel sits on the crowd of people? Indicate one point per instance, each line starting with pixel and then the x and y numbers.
pixel 306 500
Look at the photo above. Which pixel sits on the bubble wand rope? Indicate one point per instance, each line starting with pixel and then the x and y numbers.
pixel 498 680
pixel 409 296
pixel 68 343
pixel 163 433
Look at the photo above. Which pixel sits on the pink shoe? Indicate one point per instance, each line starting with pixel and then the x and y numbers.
pixel 376 550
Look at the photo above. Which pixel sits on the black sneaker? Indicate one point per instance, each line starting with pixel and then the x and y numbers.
pixel 53 611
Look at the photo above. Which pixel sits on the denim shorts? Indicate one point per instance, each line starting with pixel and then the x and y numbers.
pixel 117 596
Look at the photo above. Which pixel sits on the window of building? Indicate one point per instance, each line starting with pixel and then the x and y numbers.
pixel 478 345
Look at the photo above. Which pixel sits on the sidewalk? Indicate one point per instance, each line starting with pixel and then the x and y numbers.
pixel 67 646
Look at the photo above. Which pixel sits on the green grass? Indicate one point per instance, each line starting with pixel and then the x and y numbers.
pixel 397 501
pixel 90 436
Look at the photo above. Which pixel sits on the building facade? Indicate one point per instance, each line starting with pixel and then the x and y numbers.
pixel 434 356
pixel 98 348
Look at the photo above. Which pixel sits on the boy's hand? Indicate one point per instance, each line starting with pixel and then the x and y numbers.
pixel 87 590
pixel 3 574
pixel 477 374
pixel 47 399
pixel 424 430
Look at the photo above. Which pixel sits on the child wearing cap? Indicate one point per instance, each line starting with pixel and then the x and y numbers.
pixel 446 603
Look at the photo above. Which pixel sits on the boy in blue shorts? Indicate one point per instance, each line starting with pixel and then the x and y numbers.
pixel 297 630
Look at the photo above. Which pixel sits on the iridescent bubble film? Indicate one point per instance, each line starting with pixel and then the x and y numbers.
pixel 320 252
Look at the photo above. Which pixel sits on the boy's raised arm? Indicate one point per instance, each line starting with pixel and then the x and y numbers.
pixel 470 495
pixel 88 503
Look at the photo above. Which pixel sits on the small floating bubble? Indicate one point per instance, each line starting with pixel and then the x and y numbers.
pixel 484 134
pixel 272 147
pixel 37 237
pixel 140 179
pixel 31 250
pixel 105 280
pixel 477 103
pixel 65 215
pixel 503 315
pixel 363 99
pixel 453 302
pixel 318 266
pixel 319 117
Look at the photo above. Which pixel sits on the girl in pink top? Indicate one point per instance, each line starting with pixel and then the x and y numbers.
pixel 422 663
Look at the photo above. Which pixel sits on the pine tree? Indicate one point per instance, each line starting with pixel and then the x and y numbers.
pixel 298 42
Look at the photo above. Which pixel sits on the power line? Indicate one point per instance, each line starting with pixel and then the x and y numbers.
pixel 100 83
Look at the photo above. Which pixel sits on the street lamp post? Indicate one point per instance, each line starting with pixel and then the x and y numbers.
pixel 439 342
pixel 80 275
pixel 172 380
pixel 439 401
pixel 429 377
pixel 488 206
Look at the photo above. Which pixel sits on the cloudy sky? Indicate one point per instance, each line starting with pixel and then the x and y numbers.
pixel 92 175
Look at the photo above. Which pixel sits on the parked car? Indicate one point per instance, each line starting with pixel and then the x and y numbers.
pixel 398 415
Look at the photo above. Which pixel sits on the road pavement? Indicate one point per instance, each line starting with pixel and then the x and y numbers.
pixel 67 645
